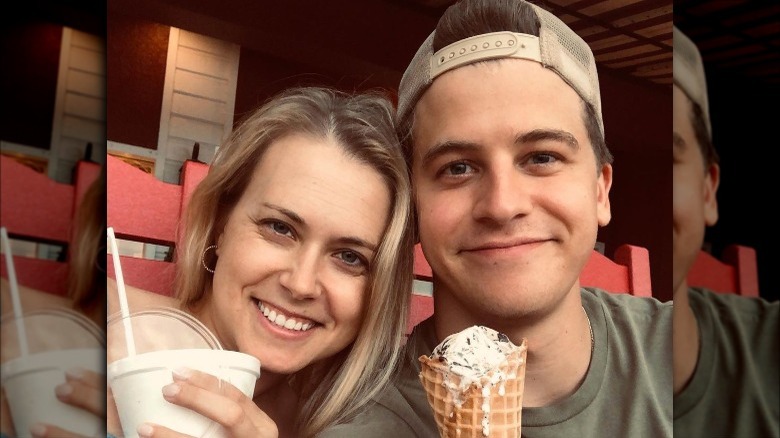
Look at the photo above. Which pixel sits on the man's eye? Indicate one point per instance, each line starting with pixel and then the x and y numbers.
pixel 543 159
pixel 458 169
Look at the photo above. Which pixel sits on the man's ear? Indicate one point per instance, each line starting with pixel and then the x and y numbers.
pixel 710 192
pixel 604 183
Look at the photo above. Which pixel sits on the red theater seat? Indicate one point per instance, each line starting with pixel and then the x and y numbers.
pixel 38 209
pixel 736 273
pixel 142 208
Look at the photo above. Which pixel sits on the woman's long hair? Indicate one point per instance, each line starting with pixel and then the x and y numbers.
pixel 87 262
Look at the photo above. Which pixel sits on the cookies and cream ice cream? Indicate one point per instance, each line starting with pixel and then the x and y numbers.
pixel 474 380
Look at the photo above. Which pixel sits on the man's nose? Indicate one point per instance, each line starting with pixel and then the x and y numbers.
pixel 504 194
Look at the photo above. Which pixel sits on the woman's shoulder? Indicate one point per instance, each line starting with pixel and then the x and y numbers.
pixel 31 299
pixel 136 298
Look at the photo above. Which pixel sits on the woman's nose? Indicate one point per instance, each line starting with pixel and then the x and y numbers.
pixel 300 278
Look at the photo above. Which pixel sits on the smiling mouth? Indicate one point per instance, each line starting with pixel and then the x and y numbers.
pixel 500 246
pixel 282 321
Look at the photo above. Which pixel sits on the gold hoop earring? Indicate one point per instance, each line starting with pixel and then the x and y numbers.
pixel 203 259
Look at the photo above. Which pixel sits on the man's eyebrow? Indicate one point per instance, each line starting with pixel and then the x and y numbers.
pixel 549 134
pixel 449 146
pixel 446 147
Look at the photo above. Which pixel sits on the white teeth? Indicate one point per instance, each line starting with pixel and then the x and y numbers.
pixel 282 321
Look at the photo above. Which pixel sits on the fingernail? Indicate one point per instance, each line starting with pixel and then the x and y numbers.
pixel 145 430
pixel 38 429
pixel 76 373
pixel 63 390
pixel 182 373
pixel 171 390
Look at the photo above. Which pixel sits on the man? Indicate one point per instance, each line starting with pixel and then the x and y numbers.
pixel 500 115
pixel 726 355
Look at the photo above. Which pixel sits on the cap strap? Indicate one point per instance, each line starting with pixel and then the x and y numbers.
pixel 486 46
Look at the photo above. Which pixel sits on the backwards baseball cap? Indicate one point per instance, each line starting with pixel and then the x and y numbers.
pixel 557 47
pixel 688 71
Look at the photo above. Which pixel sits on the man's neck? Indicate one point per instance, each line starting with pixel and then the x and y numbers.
pixel 559 344
pixel 685 339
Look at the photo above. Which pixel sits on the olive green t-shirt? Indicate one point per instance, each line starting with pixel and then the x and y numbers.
pixel 735 389
pixel 627 391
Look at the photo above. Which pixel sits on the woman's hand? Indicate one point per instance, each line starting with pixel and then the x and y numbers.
pixel 83 389
pixel 223 403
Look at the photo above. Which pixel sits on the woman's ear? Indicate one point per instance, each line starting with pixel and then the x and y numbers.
pixel 219 243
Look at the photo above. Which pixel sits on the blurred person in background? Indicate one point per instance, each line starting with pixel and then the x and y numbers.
pixel 726 352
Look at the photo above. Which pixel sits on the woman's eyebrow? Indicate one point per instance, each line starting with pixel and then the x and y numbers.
pixel 356 241
pixel 289 213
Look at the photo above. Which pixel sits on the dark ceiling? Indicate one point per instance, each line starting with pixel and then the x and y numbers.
pixel 85 15
pixel 628 36
pixel 737 38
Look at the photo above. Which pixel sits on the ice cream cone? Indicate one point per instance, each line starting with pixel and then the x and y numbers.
pixel 490 407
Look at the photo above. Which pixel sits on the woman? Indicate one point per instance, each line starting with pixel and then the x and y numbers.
pixel 297 250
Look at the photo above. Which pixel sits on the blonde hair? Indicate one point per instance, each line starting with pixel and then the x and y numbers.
pixel 333 390
pixel 86 265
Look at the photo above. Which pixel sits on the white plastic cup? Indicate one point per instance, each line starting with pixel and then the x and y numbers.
pixel 137 381
pixel 29 383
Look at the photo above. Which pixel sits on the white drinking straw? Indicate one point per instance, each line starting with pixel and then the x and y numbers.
pixel 120 285
pixel 15 301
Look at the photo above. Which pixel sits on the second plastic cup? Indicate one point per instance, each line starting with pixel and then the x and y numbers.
pixel 29 383
pixel 137 381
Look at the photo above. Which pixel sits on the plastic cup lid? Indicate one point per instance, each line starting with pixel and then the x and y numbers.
pixel 170 359
pixel 48 330
pixel 156 329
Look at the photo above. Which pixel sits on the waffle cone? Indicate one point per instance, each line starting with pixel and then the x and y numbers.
pixel 464 420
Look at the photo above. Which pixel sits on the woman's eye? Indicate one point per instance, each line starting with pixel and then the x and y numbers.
pixel 351 258
pixel 281 228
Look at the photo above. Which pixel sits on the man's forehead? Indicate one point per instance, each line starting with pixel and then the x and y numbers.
pixel 512 95
pixel 511 82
